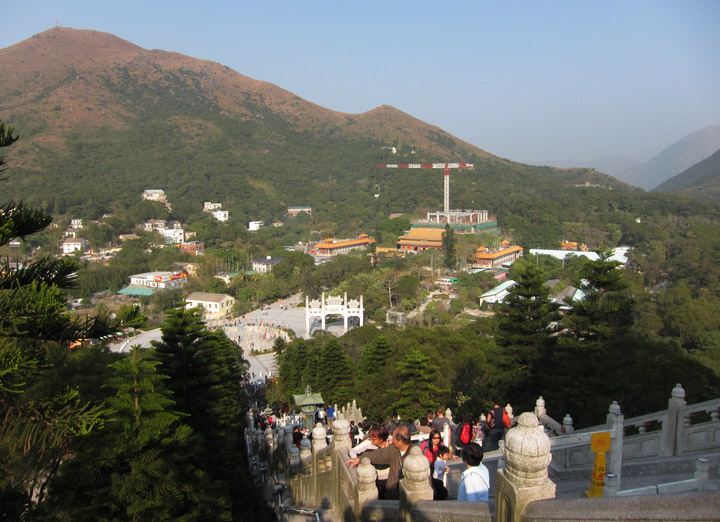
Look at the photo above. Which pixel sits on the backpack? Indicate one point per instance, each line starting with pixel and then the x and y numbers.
pixel 465 434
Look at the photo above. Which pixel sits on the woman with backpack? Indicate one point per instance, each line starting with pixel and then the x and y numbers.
pixel 499 421
pixel 464 432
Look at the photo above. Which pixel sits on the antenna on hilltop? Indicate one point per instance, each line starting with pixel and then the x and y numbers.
pixel 56 23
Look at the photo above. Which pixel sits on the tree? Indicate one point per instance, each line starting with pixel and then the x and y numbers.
pixel 374 376
pixel 605 309
pixel 40 418
pixel 139 466
pixel 449 244
pixel 525 321
pixel 337 385
pixel 418 391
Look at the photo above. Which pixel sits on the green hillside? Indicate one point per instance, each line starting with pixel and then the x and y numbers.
pixel 102 120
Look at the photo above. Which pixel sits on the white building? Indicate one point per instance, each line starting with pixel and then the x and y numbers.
pixel 159 280
pixel 154 195
pixel 255 225
pixel 220 215
pixel 263 266
pixel 154 224
pixel 76 224
pixel 71 245
pixel 497 294
pixel 209 206
pixel 213 305
pixel 174 236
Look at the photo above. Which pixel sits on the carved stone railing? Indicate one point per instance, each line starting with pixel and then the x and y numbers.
pixel 679 430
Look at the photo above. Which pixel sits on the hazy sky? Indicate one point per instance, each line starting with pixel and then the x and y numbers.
pixel 530 81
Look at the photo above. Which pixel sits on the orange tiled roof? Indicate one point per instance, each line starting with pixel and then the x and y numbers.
pixel 494 255
pixel 328 244
pixel 427 234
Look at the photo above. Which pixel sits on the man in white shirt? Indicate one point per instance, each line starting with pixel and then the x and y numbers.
pixel 475 480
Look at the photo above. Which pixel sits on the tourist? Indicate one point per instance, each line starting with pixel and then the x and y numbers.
pixel 431 446
pixel 439 470
pixel 392 456
pixel 475 480
pixel 464 432
pixel 498 420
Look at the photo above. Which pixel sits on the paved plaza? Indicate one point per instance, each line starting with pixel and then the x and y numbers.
pixel 256 330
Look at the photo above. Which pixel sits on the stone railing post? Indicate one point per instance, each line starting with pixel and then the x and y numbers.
pixel 611 485
pixel 305 450
pixel 319 443
pixel 366 486
pixel 673 425
pixel 509 411
pixel 568 424
pixel 319 438
pixel 288 437
pixel 341 444
pixel 615 422
pixel 341 434
pixel 540 407
pixel 525 476
pixel 446 435
pixel 269 442
pixel 415 484
pixel 702 468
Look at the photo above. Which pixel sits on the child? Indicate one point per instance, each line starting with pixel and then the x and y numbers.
pixel 441 492
pixel 475 481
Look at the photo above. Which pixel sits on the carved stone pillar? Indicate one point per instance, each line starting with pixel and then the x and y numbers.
pixel 341 434
pixel 415 484
pixel 366 487
pixel 540 406
pixel 305 451
pixel 615 422
pixel 568 424
pixel 673 425
pixel 319 440
pixel 525 476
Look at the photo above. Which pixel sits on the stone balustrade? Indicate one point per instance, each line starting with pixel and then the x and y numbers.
pixel 315 477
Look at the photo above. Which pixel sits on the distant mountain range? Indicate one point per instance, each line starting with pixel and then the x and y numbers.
pixel 701 181
pixel 675 159
pixel 101 119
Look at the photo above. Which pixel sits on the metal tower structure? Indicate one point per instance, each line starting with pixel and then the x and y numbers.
pixel 445 166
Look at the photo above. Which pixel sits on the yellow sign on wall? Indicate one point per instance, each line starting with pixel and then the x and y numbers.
pixel 600 442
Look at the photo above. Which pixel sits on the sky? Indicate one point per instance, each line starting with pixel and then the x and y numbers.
pixel 532 81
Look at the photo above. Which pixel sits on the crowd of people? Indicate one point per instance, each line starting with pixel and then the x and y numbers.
pixel 387 445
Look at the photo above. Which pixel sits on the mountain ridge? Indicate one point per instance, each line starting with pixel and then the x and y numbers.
pixel 674 159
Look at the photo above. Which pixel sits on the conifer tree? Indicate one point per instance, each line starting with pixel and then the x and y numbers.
pixel 605 309
pixel 418 391
pixel 138 467
pixel 337 386
pixel 449 244
pixel 40 418
pixel 374 375
pixel 525 320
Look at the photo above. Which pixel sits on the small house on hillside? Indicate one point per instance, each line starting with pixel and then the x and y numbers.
pixel 213 305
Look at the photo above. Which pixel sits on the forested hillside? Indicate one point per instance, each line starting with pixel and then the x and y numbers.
pixel 103 120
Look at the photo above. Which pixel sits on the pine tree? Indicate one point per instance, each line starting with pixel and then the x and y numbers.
pixel 337 386
pixel 374 374
pixel 418 392
pixel 40 418
pixel 525 320
pixel 605 309
pixel 140 465
pixel 449 243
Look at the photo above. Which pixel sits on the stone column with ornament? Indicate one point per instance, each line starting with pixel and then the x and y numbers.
pixel 525 476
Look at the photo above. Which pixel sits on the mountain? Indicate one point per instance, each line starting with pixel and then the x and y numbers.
pixel 675 159
pixel 101 119
pixel 613 164
pixel 701 181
